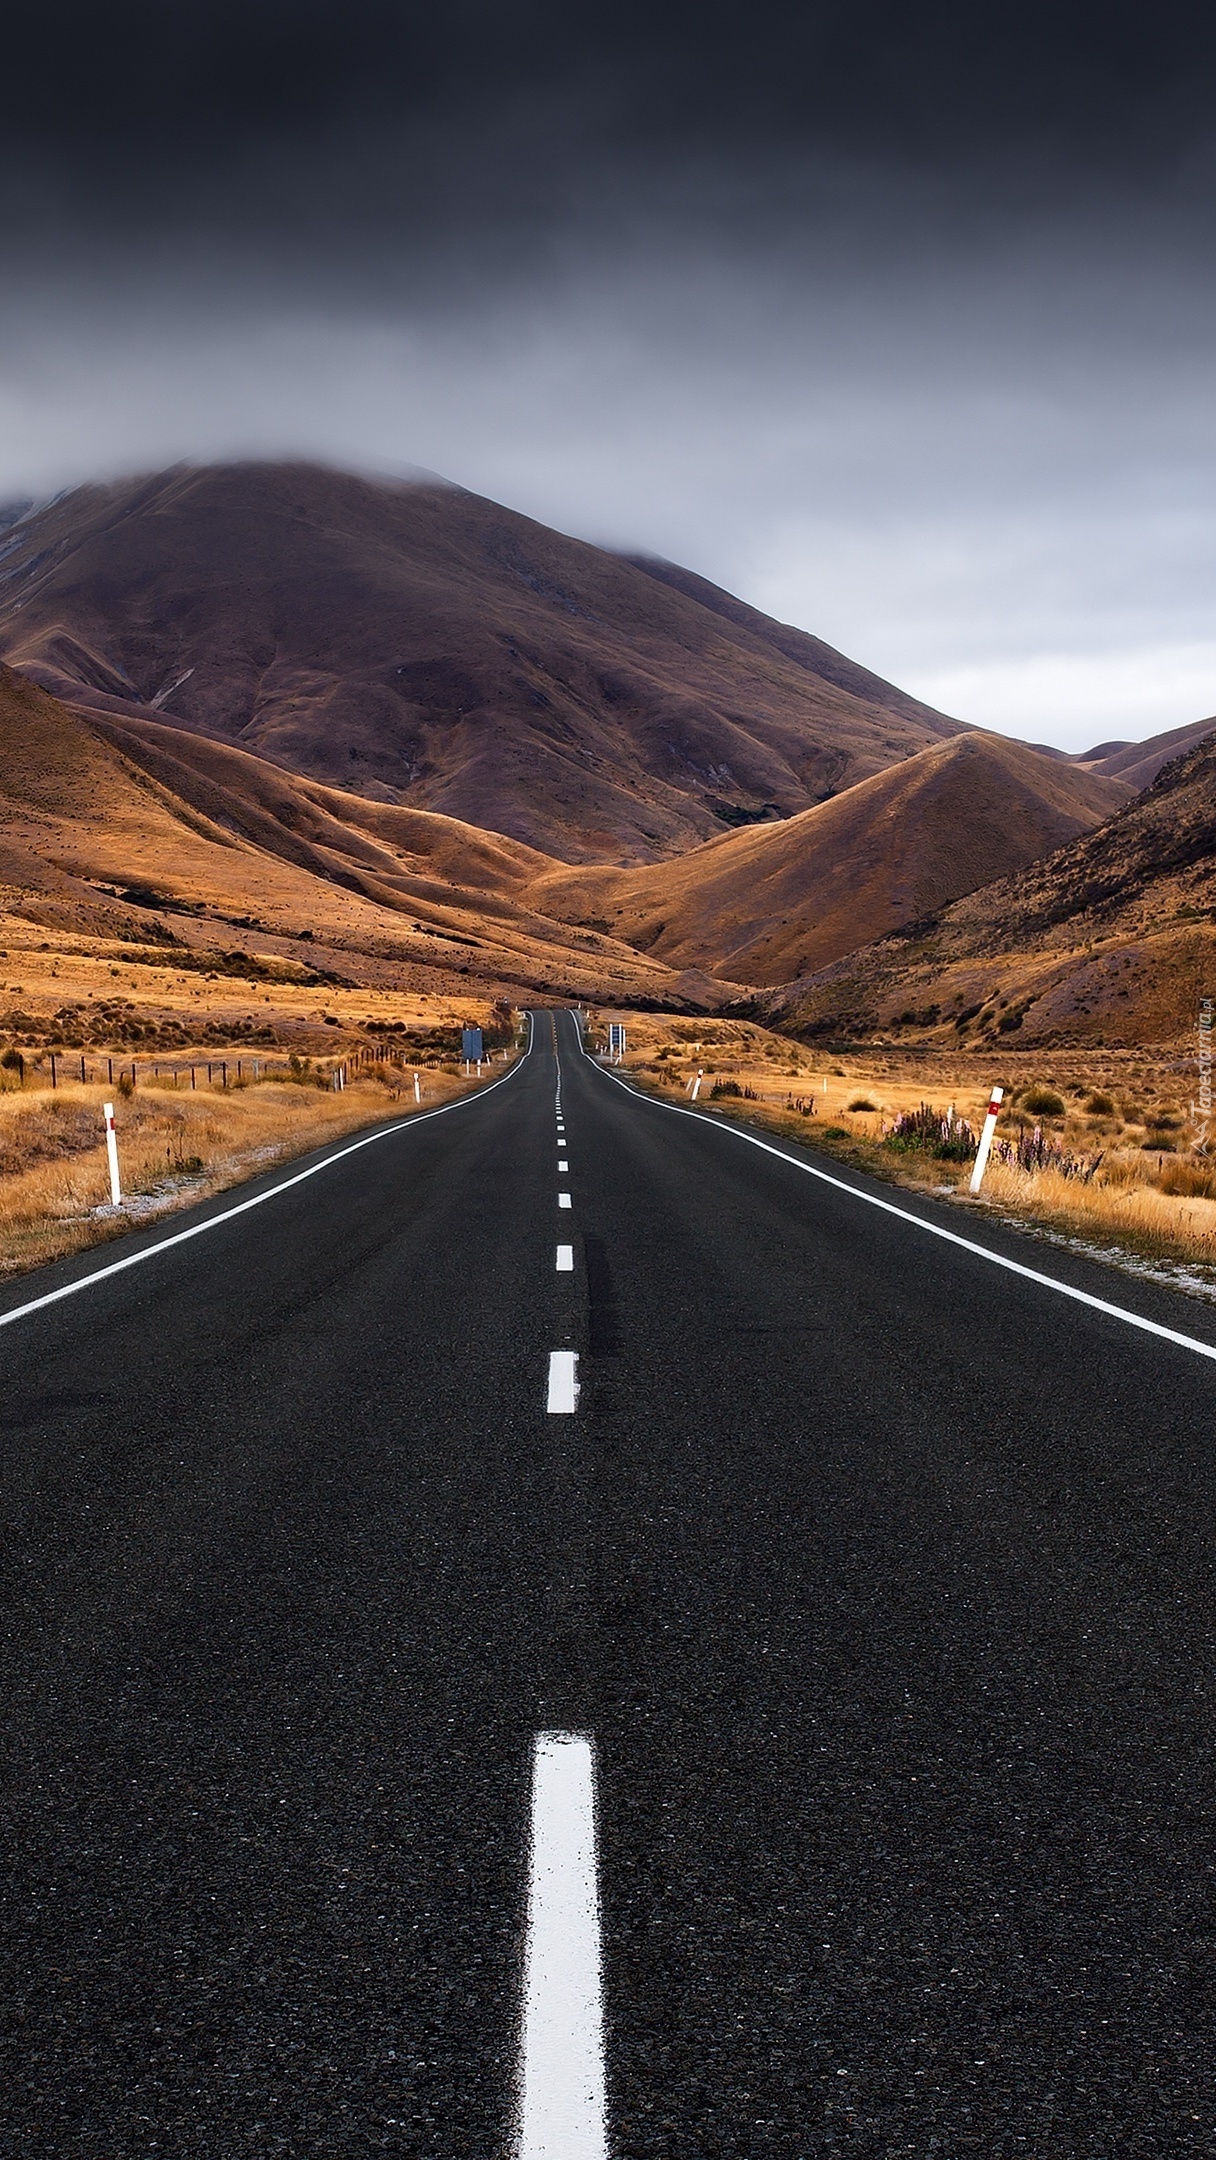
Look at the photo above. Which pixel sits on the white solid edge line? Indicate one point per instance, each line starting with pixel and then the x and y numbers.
pixel 562 2109
pixel 565 1259
pixel 563 1382
pixel 182 1237
pixel 937 1230
pixel 563 1199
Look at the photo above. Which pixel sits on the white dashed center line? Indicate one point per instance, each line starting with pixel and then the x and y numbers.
pixel 562 1164
pixel 563 1380
pixel 563 1199
pixel 562 2114
pixel 565 1259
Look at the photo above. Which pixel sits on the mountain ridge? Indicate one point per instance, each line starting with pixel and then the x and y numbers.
pixel 414 641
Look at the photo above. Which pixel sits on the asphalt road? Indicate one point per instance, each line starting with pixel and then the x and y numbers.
pixel 880 1576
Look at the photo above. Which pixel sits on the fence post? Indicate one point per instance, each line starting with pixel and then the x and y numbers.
pixel 985 1146
pixel 54 1081
pixel 112 1155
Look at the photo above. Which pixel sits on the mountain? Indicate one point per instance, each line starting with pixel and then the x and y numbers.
pixel 1110 939
pixel 117 827
pixel 418 645
pixel 1139 763
pixel 777 901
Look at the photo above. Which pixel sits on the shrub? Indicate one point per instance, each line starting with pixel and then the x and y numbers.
pixel 1099 1105
pixel 862 1102
pixel 1043 1101
pixel 1190 1180
pixel 835 1132
pixel 724 1087
pixel 926 1131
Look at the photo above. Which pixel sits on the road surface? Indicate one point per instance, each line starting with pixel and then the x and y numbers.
pixel 872 1578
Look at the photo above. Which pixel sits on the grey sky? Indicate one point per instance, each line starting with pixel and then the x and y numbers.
pixel 905 339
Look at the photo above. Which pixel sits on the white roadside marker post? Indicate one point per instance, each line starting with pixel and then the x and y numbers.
pixel 696 1086
pixel 985 1146
pixel 112 1155
pixel 417 1089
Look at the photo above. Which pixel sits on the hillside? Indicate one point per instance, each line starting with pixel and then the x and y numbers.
pixel 1109 939
pixel 1138 763
pixel 114 827
pixel 777 901
pixel 420 646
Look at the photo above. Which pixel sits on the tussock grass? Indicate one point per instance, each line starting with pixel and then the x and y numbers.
pixel 175 1147
pixel 1140 1198
pixel 1116 1208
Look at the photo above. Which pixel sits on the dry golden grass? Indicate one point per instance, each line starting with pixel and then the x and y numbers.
pixel 1126 1211
pixel 79 989
pixel 79 994
pixel 1150 1193
pixel 175 1147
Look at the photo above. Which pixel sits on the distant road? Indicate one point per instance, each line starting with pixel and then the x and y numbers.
pixel 875 1580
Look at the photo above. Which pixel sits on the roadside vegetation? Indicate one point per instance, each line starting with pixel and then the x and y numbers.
pixel 194 1122
pixel 1096 1146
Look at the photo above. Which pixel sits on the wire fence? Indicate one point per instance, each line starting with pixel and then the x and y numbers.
pixel 62 1067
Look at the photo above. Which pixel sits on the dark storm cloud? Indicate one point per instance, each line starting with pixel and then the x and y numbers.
pixel 235 114
pixel 898 319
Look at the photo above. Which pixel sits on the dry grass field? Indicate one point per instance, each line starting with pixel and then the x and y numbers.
pixel 1140 1184
pixel 176 1145
pixel 232 1055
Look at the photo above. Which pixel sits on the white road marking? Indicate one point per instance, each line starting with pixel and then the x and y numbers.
pixel 565 1259
pixel 917 1222
pixel 563 1199
pixel 300 1177
pixel 562 2113
pixel 562 1163
pixel 563 1381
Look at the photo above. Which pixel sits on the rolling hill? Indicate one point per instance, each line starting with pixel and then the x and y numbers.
pixel 778 901
pixel 1110 939
pixel 421 646
pixel 114 827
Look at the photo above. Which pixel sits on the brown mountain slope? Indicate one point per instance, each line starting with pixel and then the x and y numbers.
pixel 1138 763
pixel 1107 940
pixel 776 901
pixel 113 825
pixel 418 644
